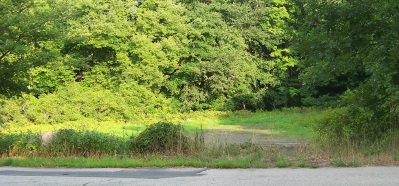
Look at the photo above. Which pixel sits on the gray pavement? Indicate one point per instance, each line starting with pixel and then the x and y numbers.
pixel 191 176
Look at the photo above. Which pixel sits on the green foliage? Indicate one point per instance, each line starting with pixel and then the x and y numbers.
pixel 47 78
pixel 349 46
pixel 7 162
pixel 265 26
pixel 76 103
pixel 300 164
pixel 85 143
pixel 205 55
pixel 343 123
pixel 282 162
pixel 236 52
pixel 26 144
pixel 29 34
pixel 162 137
pixel 353 128
pixel 215 67
pixel 63 143
pixel 71 62
pixel 349 52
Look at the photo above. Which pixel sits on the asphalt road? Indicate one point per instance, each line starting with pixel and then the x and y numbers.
pixel 190 176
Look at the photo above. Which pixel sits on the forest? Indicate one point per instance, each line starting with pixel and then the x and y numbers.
pixel 77 61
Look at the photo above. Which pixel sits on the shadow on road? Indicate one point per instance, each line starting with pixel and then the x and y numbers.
pixel 150 173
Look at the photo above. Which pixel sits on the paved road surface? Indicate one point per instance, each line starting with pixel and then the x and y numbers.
pixel 190 176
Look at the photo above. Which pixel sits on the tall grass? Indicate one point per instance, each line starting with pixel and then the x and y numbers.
pixel 64 143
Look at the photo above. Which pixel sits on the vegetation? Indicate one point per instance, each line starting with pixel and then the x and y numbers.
pixel 100 70
pixel 162 137
pixel 185 145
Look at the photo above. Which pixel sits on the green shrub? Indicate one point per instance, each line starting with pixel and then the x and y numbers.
pixel 76 103
pixel 6 142
pixel 355 124
pixel 26 144
pixel 162 137
pixel 12 112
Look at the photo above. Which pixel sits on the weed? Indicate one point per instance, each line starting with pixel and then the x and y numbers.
pixel 312 165
pixel 282 162
pixel 395 157
pixel 353 164
pixel 301 164
pixel 339 163
pixel 342 163
pixel 199 140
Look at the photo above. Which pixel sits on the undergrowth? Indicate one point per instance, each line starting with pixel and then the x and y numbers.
pixel 167 144
pixel 161 144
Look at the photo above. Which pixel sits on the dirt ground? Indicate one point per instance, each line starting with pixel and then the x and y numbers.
pixel 257 138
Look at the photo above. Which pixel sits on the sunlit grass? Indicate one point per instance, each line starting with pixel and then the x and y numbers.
pixel 294 123
pixel 112 162
pixel 288 123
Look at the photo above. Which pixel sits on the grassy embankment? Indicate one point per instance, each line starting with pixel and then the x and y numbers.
pixel 293 124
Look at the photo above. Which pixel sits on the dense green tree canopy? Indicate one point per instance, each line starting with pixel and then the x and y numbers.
pixel 349 49
pixel 29 37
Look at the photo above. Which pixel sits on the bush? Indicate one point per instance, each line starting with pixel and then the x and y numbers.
pixel 162 137
pixel 350 124
pixel 5 143
pixel 19 144
pixel 77 103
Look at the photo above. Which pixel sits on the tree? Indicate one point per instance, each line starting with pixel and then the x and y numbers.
pixel 266 28
pixel 29 30
pixel 216 67
pixel 128 48
pixel 350 48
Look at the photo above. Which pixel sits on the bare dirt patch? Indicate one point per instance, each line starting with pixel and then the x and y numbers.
pixel 262 138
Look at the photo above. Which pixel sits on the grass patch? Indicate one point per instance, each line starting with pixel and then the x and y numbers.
pixel 6 162
pixel 147 161
pixel 282 162
pixel 289 123
pixel 395 157
pixel 304 164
